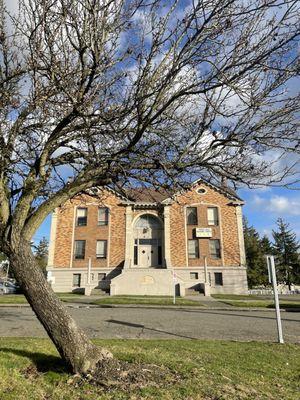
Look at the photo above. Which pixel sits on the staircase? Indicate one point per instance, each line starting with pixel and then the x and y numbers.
pixel 144 282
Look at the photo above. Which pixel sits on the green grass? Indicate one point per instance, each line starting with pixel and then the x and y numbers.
pixel 149 300
pixel 262 303
pixel 30 369
pixel 237 296
pixel 253 301
pixel 20 298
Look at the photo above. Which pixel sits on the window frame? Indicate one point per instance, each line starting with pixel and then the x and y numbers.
pixel 197 250
pixel 84 218
pixel 76 256
pixel 79 281
pixel 103 276
pixel 218 282
pixel 100 257
pixel 214 222
pixel 105 221
pixel 194 276
pixel 217 255
pixel 187 216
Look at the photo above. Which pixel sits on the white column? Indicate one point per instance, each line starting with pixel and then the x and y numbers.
pixel 205 270
pixel 52 238
pixel 167 236
pixel 241 235
pixel 129 237
pixel 89 271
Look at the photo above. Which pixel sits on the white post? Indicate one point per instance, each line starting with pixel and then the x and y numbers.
pixel 89 271
pixel 273 280
pixel 174 280
pixel 205 270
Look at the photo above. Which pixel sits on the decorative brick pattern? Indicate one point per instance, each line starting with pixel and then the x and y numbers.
pixel 67 231
pixel 226 231
pixel 114 232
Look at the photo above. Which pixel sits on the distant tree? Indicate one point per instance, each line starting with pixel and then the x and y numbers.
pixel 256 249
pixel 41 253
pixel 286 248
pixel 266 245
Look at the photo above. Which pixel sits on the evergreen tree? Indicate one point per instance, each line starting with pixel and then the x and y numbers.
pixel 41 253
pixel 266 245
pixel 286 249
pixel 256 249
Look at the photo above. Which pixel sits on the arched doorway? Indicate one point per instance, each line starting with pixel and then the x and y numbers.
pixel 148 241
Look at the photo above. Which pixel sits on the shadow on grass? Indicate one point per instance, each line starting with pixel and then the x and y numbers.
pixel 43 362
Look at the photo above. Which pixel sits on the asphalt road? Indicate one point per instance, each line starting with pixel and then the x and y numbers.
pixel 145 323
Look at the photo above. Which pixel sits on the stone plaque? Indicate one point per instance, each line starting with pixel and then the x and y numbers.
pixel 147 280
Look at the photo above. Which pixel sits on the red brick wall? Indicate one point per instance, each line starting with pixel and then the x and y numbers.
pixel 227 230
pixel 91 232
pixel 115 232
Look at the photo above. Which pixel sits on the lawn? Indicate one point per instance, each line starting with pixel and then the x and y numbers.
pixel 237 297
pixel 149 300
pixel 20 298
pixel 208 370
pixel 262 303
pixel 256 301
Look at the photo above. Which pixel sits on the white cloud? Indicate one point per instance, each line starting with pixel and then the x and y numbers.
pixel 276 204
pixel 12 5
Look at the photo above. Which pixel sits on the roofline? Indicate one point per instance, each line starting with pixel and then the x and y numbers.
pixel 170 199
pixel 218 188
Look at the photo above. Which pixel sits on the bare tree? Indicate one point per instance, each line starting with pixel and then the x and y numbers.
pixel 100 92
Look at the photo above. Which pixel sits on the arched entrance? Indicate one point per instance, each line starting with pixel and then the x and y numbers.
pixel 148 241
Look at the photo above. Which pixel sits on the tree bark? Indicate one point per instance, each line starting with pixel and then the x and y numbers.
pixel 70 340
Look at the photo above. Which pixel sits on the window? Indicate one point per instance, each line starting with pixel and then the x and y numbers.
pixel 103 216
pixel 148 221
pixel 218 279
pixel 76 280
pixel 193 275
pixel 101 248
pixel 101 277
pixel 212 216
pixel 214 248
pixel 81 217
pixel 191 216
pixel 201 191
pixel 193 248
pixel 135 255
pixel 79 249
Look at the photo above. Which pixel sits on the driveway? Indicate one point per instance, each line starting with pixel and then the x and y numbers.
pixel 145 322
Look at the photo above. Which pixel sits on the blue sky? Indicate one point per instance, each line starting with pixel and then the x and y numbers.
pixel 262 208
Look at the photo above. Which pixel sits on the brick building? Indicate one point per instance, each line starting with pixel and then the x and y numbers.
pixel 147 242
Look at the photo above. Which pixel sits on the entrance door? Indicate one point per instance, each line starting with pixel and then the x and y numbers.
pixel 148 255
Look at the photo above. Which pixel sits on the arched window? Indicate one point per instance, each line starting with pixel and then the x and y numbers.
pixel 148 221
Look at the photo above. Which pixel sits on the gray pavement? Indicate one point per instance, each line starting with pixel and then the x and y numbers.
pixel 165 323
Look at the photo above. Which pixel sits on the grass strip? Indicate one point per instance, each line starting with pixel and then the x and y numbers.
pixel 148 300
pixel 30 369
pixel 262 303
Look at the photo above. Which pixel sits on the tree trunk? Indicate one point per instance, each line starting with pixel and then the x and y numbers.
pixel 71 342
